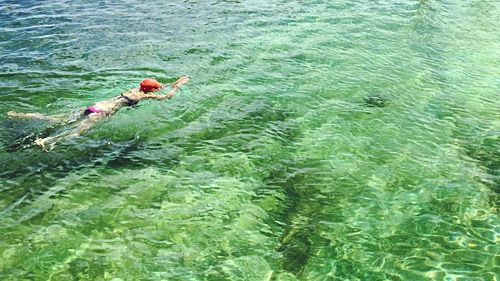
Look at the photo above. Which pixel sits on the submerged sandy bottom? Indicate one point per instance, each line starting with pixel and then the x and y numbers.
pixel 315 141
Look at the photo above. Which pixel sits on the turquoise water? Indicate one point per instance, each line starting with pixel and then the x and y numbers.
pixel 316 140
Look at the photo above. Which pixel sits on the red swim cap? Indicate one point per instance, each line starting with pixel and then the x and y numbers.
pixel 148 85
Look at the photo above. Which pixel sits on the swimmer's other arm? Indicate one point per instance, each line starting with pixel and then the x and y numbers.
pixel 177 84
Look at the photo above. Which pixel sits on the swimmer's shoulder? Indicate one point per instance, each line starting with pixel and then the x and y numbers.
pixel 133 93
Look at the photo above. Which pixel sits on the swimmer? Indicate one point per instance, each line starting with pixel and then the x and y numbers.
pixel 100 110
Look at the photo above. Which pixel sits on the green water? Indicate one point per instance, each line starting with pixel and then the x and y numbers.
pixel 316 140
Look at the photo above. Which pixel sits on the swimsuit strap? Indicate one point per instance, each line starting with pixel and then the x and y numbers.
pixel 129 100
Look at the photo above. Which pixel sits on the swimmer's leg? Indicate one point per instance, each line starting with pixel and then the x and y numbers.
pixel 39 116
pixel 48 143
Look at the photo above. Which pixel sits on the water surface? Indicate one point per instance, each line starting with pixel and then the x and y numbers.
pixel 316 140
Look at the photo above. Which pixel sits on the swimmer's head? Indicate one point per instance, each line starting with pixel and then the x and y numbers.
pixel 149 85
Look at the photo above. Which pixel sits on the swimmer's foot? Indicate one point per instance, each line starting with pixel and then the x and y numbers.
pixel 45 144
pixel 13 114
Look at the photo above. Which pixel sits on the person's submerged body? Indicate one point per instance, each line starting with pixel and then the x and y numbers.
pixel 102 109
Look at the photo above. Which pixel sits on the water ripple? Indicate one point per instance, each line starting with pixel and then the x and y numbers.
pixel 342 140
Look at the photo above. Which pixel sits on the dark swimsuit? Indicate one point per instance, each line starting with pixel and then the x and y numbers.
pixel 130 102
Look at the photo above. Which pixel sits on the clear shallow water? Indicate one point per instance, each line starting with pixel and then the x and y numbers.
pixel 315 141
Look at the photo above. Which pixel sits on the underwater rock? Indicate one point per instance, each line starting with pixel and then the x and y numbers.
pixel 375 101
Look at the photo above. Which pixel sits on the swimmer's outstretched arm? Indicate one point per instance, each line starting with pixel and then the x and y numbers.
pixel 181 81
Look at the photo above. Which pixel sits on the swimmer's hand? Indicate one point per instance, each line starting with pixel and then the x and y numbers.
pixel 181 81
pixel 175 86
